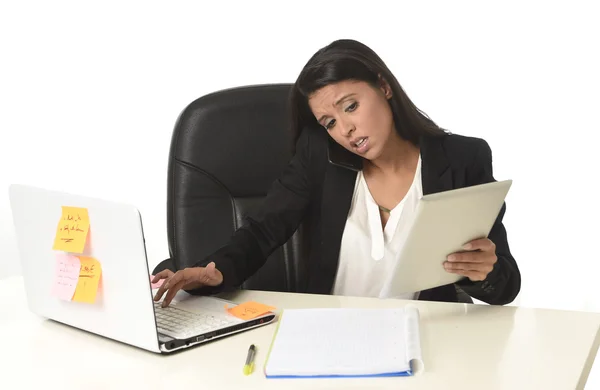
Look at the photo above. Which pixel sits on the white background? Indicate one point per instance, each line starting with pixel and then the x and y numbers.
pixel 89 94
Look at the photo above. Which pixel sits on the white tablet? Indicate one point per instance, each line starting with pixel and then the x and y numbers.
pixel 442 224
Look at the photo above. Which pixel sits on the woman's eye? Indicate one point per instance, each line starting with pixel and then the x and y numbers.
pixel 330 124
pixel 352 107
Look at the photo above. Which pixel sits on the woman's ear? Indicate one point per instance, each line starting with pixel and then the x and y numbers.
pixel 385 87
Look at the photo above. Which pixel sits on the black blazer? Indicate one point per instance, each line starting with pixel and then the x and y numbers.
pixel 315 190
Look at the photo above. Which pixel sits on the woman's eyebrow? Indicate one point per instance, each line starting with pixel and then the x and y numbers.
pixel 337 103
pixel 344 98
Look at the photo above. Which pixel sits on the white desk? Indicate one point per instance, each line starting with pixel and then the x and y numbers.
pixel 464 347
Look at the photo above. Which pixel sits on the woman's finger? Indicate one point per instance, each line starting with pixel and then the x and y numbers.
pixel 455 267
pixel 162 275
pixel 160 292
pixel 469 257
pixel 482 244
pixel 165 286
pixel 173 289
pixel 469 267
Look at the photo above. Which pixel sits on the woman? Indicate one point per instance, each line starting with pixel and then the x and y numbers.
pixel 364 155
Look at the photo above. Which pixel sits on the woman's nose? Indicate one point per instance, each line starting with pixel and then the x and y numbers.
pixel 347 128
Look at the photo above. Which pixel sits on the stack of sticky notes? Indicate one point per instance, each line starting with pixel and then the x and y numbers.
pixel 249 310
pixel 76 277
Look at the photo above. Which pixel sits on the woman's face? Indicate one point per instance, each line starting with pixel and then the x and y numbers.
pixel 356 115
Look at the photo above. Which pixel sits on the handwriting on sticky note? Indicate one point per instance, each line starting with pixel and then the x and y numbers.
pixel 66 276
pixel 249 310
pixel 89 277
pixel 72 230
pixel 157 284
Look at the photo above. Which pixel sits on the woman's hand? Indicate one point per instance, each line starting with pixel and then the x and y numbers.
pixel 188 279
pixel 475 264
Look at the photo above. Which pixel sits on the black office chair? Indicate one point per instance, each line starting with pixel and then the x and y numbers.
pixel 226 150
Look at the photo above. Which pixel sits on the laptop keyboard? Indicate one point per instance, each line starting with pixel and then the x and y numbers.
pixel 181 324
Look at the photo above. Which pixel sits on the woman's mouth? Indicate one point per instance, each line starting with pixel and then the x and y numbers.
pixel 361 144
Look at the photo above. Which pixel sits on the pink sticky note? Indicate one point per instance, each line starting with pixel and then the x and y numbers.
pixel 157 284
pixel 66 276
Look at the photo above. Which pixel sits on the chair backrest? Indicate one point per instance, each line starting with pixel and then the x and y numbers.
pixel 226 150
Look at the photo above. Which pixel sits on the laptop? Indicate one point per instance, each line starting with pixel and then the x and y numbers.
pixel 123 308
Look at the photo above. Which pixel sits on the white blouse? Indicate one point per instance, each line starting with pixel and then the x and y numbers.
pixel 368 252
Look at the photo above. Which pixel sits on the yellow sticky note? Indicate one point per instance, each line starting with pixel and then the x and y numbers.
pixel 72 230
pixel 89 277
pixel 249 310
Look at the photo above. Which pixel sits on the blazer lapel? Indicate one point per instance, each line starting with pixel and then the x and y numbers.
pixel 337 195
pixel 436 175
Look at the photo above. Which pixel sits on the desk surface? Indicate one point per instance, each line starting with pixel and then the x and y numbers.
pixel 464 347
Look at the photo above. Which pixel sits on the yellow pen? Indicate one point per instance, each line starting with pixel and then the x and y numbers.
pixel 249 366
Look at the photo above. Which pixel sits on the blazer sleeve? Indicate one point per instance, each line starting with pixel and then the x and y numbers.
pixel 503 283
pixel 280 214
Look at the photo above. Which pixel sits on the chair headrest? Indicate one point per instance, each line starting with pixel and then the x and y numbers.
pixel 239 136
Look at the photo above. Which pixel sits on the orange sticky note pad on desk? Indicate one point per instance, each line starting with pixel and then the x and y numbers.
pixel 72 230
pixel 89 277
pixel 249 310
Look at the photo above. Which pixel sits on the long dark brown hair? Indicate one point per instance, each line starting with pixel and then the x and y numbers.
pixel 348 59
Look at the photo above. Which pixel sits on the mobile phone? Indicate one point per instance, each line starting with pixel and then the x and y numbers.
pixel 340 156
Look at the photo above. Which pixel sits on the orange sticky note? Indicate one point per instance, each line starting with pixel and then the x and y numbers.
pixel 89 277
pixel 249 310
pixel 72 230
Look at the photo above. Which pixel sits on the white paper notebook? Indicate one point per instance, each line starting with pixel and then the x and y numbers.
pixel 345 342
